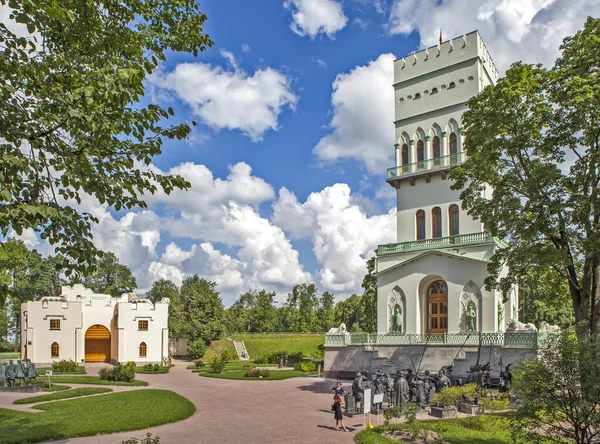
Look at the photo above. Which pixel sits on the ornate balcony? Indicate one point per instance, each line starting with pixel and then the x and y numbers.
pixel 438 243
pixel 425 167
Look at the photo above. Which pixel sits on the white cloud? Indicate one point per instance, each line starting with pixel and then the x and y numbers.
pixel 528 30
pixel 231 99
pixel 245 47
pixel 363 116
pixel 313 17
pixel 344 236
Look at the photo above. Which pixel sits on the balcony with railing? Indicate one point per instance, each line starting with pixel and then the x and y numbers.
pixel 438 243
pixel 442 163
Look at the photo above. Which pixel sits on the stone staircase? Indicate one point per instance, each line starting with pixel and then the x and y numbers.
pixel 239 348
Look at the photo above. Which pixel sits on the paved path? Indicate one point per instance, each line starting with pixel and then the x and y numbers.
pixel 248 412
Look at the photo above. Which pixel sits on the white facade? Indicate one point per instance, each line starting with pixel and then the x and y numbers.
pixel 434 275
pixel 88 327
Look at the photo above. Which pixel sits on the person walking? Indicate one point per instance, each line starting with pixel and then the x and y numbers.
pixel 338 402
pixel 338 390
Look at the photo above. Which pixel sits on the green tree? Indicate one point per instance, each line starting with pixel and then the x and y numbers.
pixel 325 313
pixel 559 391
pixel 533 170
pixel 350 312
pixel 301 309
pixel 264 314
pixel 544 297
pixel 368 320
pixel 203 313
pixel 71 123
pixel 164 288
pixel 111 277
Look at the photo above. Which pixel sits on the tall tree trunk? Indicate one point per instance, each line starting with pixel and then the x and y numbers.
pixel 595 295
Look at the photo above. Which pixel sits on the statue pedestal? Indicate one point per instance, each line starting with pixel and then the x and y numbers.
pixel 22 389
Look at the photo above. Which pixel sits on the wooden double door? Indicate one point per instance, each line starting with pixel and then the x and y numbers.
pixel 437 307
pixel 97 344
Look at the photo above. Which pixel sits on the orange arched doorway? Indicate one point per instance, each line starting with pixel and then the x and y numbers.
pixel 437 307
pixel 97 344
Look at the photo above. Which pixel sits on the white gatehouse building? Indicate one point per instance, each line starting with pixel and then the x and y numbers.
pixel 88 327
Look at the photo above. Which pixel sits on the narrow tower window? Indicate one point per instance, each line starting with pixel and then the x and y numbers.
pixel 55 349
pixel 143 350
pixel 420 225
pixel 405 157
pixel 435 150
pixel 420 154
pixel 453 149
pixel 436 222
pixel 453 217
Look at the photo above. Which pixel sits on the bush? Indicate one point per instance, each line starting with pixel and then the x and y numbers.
pixel 217 366
pixel 306 366
pixel 149 439
pixel 262 360
pixel 448 397
pixel 196 349
pixel 131 364
pixel 63 366
pixel 6 347
pixel 199 363
pixel 256 373
pixel 229 355
pixel 151 368
pixel 124 373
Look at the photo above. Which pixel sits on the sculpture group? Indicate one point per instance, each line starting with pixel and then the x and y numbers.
pixel 23 371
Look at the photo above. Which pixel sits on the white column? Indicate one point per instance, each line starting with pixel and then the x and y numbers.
pixel 444 148
pixel 459 141
pixel 398 155
pixel 428 154
pixel 412 155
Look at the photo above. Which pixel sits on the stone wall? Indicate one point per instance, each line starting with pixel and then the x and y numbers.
pixel 345 361
pixel 178 347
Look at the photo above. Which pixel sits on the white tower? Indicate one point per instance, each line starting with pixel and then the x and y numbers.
pixel 434 275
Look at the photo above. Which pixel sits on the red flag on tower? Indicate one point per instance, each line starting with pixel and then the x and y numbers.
pixel 440 36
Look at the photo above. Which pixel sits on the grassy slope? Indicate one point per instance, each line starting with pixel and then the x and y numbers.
pixel 116 412
pixel 266 345
pixel 65 394
pixel 93 380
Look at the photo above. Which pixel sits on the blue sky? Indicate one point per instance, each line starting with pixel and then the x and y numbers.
pixel 294 104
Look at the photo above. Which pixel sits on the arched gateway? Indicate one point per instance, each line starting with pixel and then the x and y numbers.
pixel 97 344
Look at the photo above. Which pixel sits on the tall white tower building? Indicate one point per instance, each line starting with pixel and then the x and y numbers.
pixel 432 279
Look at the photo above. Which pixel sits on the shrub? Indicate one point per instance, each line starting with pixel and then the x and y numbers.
pixel 256 373
pixel 229 355
pixel 196 349
pixel 262 360
pixel 69 366
pixel 151 368
pixel 199 363
pixel 6 347
pixel 131 364
pixel 217 366
pixel 448 397
pixel 306 366
pixel 123 373
pixel 149 439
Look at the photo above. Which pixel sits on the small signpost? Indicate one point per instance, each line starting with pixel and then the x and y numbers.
pixel 377 399
pixel 367 407
pixel 49 373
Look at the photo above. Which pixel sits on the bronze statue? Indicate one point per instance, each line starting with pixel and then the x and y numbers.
pixel 3 374
pixel 358 389
pixel 32 373
pixel 401 390
pixel 389 389
pixel 10 373
pixel 20 372
pixel 398 321
pixel 471 317
pixel 442 381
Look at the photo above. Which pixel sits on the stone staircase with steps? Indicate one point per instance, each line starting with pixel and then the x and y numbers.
pixel 239 348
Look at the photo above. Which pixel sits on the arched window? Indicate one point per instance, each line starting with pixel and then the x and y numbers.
pixel 453 149
pixel 55 350
pixel 435 150
pixel 453 218
pixel 434 91
pixel 417 96
pixel 436 222
pixel 452 85
pixel 420 224
pixel 405 158
pixel 420 154
pixel 143 350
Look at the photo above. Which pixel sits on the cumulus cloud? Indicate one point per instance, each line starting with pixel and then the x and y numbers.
pixel 344 236
pixel 528 30
pixel 231 99
pixel 363 115
pixel 314 17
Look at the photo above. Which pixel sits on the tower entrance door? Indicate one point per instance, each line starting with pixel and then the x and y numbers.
pixel 437 307
pixel 97 344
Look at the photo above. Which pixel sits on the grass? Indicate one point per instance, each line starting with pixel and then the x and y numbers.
pixel 55 388
pixel 267 345
pixel 79 371
pixel 483 429
pixel 115 412
pixel 233 365
pixel 275 375
pixel 75 393
pixel 10 355
pixel 94 380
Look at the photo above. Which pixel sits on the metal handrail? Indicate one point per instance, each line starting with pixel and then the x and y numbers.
pixel 426 164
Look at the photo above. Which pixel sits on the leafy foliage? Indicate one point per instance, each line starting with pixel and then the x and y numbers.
pixel 202 309
pixel 110 277
pixel 559 391
pixel 532 172
pixel 196 349
pixel 368 321
pixel 257 373
pixel 64 366
pixel 119 373
pixel 71 126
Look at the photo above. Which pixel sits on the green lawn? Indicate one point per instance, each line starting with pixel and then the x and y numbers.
pixel 80 370
pixel 233 365
pixel 10 355
pixel 267 345
pixel 54 388
pixel 93 380
pixel 483 429
pixel 75 393
pixel 274 375
pixel 115 412
pixel 161 370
